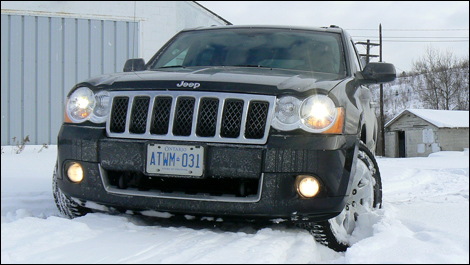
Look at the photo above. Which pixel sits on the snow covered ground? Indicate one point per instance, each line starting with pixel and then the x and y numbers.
pixel 425 219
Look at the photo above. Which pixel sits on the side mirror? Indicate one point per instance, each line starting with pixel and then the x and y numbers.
pixel 377 72
pixel 132 65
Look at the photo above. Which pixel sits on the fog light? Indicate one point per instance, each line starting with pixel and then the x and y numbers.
pixel 75 172
pixel 307 186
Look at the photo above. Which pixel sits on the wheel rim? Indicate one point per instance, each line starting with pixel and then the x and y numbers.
pixel 360 201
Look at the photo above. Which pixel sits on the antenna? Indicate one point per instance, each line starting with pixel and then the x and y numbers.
pixel 133 37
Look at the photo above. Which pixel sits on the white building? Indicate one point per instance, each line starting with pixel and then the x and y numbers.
pixel 420 132
pixel 49 46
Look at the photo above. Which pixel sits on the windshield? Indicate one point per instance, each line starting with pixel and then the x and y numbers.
pixel 273 48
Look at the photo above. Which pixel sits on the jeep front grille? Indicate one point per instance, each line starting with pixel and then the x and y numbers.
pixel 184 116
pixel 232 119
pixel 207 118
pixel 161 116
pixel 190 116
pixel 139 114
pixel 119 114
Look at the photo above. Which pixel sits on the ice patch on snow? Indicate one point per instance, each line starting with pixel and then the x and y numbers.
pixel 156 214
pixel 278 220
pixel 189 217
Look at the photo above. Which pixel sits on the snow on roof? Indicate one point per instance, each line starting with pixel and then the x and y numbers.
pixel 439 118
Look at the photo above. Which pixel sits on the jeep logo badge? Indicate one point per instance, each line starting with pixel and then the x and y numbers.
pixel 186 84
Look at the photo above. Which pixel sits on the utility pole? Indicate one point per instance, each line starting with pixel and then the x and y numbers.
pixel 368 45
pixel 381 136
pixel 382 130
pixel 368 56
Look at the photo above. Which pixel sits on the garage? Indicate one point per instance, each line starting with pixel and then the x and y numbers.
pixel 420 132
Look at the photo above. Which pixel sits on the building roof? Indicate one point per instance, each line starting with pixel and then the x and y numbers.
pixel 439 118
pixel 208 10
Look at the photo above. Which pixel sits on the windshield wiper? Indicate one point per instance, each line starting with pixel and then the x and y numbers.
pixel 251 65
pixel 238 65
pixel 171 66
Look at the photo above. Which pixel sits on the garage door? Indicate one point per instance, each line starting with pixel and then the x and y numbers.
pixel 44 57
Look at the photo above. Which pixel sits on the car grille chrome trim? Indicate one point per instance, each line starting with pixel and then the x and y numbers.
pixel 234 118
pixel 180 195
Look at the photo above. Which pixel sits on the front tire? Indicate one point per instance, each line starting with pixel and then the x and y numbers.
pixel 64 203
pixel 366 196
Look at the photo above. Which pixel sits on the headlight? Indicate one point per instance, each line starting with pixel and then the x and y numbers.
pixel 84 105
pixel 287 114
pixel 101 110
pixel 316 114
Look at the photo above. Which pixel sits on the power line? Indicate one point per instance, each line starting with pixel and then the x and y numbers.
pixel 399 68
pixel 412 29
pixel 423 40
pixel 425 29
pixel 426 40
pixel 411 37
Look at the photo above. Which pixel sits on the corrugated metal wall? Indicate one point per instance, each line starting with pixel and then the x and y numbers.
pixel 43 58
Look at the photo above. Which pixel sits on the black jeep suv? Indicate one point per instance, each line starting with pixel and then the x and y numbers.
pixel 256 122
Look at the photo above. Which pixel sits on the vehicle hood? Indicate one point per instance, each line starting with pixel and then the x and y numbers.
pixel 227 79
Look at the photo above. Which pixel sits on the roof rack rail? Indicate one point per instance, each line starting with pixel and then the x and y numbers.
pixel 331 26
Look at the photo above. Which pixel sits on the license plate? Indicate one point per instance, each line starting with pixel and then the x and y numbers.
pixel 185 160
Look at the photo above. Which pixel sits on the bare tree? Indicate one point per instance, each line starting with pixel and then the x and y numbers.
pixel 398 96
pixel 440 80
pixel 462 80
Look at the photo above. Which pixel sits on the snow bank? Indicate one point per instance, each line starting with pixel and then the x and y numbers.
pixel 424 219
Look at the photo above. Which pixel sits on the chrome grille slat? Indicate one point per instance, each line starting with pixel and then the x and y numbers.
pixel 150 116
pixel 172 116
pixel 219 118
pixel 128 116
pixel 201 103
pixel 246 103
pixel 195 114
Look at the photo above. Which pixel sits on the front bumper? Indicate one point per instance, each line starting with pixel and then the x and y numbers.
pixel 273 166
